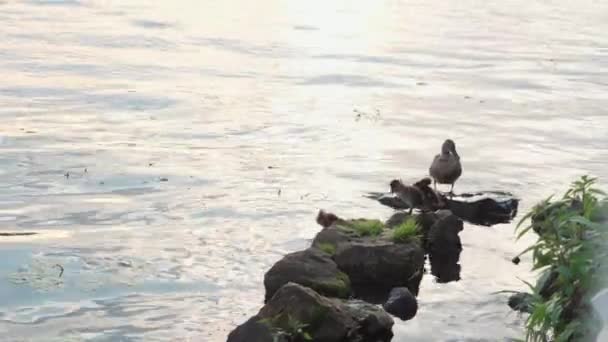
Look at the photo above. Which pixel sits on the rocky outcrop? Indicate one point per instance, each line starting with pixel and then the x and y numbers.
pixel 482 208
pixel 298 313
pixel 373 263
pixel 312 268
pixel 401 303
pixel 379 264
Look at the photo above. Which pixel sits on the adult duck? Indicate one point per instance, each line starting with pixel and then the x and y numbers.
pixel 446 167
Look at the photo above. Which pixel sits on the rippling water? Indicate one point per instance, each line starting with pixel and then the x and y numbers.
pixel 147 142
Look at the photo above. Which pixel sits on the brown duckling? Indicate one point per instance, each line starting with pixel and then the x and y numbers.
pixel 411 195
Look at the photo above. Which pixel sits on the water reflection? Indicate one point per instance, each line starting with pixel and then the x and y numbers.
pixel 211 93
pixel 445 266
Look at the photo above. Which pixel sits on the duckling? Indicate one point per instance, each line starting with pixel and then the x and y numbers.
pixel 411 195
pixel 326 219
pixel 432 200
pixel 446 167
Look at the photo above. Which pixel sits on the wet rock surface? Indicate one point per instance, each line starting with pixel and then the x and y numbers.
pixel 298 313
pixel 374 263
pixel 312 268
pixel 357 258
pixel 482 208
pixel 401 303
pixel 381 264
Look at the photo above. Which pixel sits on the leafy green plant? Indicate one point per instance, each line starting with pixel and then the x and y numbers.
pixel 363 227
pixel 327 247
pixel 407 231
pixel 570 249
pixel 285 327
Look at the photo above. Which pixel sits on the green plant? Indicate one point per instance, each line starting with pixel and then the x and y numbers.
pixel 407 231
pixel 570 249
pixel 327 247
pixel 285 327
pixel 363 227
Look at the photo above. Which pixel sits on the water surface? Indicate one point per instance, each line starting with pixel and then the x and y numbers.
pixel 147 142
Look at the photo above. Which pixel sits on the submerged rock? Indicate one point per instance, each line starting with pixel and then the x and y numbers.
pixel 313 268
pixel 297 313
pixel 401 303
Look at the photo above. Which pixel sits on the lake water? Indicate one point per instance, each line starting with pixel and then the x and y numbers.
pixel 147 141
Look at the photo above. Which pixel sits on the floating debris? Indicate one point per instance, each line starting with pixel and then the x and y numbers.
pixel 17 234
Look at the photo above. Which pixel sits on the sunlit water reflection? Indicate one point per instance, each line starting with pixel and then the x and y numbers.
pixel 147 143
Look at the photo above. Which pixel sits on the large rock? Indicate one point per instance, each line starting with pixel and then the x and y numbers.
pixel 443 236
pixel 379 264
pixel 401 303
pixel 312 268
pixel 374 264
pixel 297 313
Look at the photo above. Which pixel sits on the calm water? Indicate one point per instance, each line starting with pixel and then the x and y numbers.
pixel 177 109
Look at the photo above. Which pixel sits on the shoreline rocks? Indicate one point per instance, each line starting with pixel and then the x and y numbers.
pixel 298 313
pixel 338 289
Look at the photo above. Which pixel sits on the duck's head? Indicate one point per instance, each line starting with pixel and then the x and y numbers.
pixel 395 185
pixel 448 147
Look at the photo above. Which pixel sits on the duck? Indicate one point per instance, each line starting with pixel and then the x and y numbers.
pixel 432 200
pixel 446 167
pixel 411 195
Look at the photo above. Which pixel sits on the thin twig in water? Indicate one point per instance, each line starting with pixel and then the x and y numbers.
pixel 60 268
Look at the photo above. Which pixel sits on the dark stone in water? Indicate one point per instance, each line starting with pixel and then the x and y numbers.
pixel 482 208
pixel 441 239
pixel 323 319
pixel 401 303
pixel 312 268
pixel 445 267
pixel 521 302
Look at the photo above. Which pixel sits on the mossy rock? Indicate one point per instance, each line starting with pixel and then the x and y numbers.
pixel 312 268
pixel 299 313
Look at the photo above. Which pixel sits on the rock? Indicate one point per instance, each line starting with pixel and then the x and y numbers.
pixel 425 220
pixel 482 208
pixel 312 268
pixel 372 319
pixel 445 266
pixel 374 264
pixel 443 236
pixel 335 236
pixel 521 302
pixel 378 264
pixel 297 313
pixel 253 331
pixel 401 303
